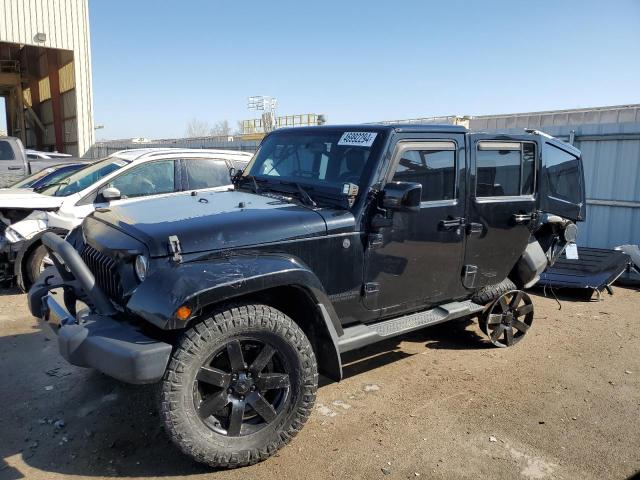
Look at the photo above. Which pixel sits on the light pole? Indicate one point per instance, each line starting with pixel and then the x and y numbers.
pixel 268 106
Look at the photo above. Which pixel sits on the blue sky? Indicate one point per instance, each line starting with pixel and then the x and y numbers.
pixel 157 64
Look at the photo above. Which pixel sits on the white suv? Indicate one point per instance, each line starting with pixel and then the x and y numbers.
pixel 125 176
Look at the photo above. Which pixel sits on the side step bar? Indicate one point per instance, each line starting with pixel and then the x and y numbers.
pixel 360 335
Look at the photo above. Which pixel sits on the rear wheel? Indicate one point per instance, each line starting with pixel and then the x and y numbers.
pixel 239 386
pixel 508 319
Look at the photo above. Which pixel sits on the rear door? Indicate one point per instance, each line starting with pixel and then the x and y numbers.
pixel 501 205
pixel 562 181
pixel 12 166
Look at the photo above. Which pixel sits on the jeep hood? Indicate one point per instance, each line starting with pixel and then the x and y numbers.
pixel 212 221
pixel 27 199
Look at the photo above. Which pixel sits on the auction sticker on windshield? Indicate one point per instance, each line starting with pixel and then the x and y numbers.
pixel 357 139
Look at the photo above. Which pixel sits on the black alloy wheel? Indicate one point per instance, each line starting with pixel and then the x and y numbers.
pixel 508 319
pixel 242 387
pixel 240 384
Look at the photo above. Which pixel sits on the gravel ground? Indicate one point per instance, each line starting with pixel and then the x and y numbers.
pixel 440 403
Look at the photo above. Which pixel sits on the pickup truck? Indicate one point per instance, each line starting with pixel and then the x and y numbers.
pixel 16 162
pixel 334 238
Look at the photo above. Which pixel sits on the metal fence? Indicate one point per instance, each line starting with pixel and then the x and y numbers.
pixel 104 149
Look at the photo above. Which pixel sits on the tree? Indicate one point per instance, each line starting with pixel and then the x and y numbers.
pixel 221 129
pixel 197 128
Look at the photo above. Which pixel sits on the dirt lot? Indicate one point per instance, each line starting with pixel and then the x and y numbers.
pixel 564 403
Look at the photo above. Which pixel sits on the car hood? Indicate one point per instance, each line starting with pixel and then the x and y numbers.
pixel 212 221
pixel 27 199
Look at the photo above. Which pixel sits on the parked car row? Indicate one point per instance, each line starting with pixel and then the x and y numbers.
pixel 60 199
pixel 333 238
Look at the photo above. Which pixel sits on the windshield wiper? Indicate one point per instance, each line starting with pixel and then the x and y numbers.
pixel 54 184
pixel 304 196
pixel 255 187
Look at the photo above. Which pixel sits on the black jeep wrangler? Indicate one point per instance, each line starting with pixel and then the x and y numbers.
pixel 334 238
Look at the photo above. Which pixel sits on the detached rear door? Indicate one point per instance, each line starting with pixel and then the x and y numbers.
pixel 562 181
pixel 12 166
pixel 501 205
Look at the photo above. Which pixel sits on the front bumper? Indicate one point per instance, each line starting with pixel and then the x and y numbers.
pixel 93 338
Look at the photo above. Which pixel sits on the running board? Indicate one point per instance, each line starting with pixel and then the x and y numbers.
pixel 360 335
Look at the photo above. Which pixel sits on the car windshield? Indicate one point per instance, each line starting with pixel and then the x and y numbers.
pixel 83 178
pixel 324 159
pixel 27 182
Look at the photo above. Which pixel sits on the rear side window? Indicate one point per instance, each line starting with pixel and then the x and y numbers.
pixel 6 152
pixel 505 169
pixel 207 173
pixel 562 174
pixel 433 167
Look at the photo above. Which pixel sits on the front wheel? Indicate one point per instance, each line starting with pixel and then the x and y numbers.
pixel 37 261
pixel 239 386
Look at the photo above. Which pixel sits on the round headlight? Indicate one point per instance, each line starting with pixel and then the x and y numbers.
pixel 141 267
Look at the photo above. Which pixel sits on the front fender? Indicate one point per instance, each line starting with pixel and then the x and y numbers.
pixel 203 283
pixel 24 251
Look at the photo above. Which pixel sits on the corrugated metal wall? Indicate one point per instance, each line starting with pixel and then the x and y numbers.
pixel 540 120
pixel 66 26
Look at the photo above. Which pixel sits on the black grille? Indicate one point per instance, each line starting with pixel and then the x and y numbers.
pixel 104 270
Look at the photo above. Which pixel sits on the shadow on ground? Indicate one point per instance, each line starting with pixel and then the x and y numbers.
pixel 72 421
pixel 113 429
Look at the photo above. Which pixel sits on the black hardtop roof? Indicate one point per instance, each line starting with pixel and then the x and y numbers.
pixel 426 128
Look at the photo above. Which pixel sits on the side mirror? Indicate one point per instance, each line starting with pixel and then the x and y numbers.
pixel 402 196
pixel 111 193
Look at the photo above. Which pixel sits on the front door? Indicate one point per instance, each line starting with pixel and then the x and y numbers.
pixel 416 259
pixel 502 202
pixel 12 167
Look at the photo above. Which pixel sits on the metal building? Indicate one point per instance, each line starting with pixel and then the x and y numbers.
pixel 45 73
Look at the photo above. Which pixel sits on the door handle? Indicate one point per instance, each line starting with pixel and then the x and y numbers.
pixel 520 218
pixel 15 168
pixel 450 223
pixel 474 228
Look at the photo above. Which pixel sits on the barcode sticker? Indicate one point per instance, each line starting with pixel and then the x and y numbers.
pixel 357 139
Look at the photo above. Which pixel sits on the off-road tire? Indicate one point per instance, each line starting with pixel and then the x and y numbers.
pixel 181 419
pixel 34 261
pixel 488 294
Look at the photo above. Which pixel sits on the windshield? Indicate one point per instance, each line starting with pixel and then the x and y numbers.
pixel 84 178
pixel 33 178
pixel 326 159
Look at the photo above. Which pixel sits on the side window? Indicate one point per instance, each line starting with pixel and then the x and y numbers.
pixel 505 169
pixel 6 152
pixel 205 173
pixel 152 178
pixel 433 166
pixel 562 174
